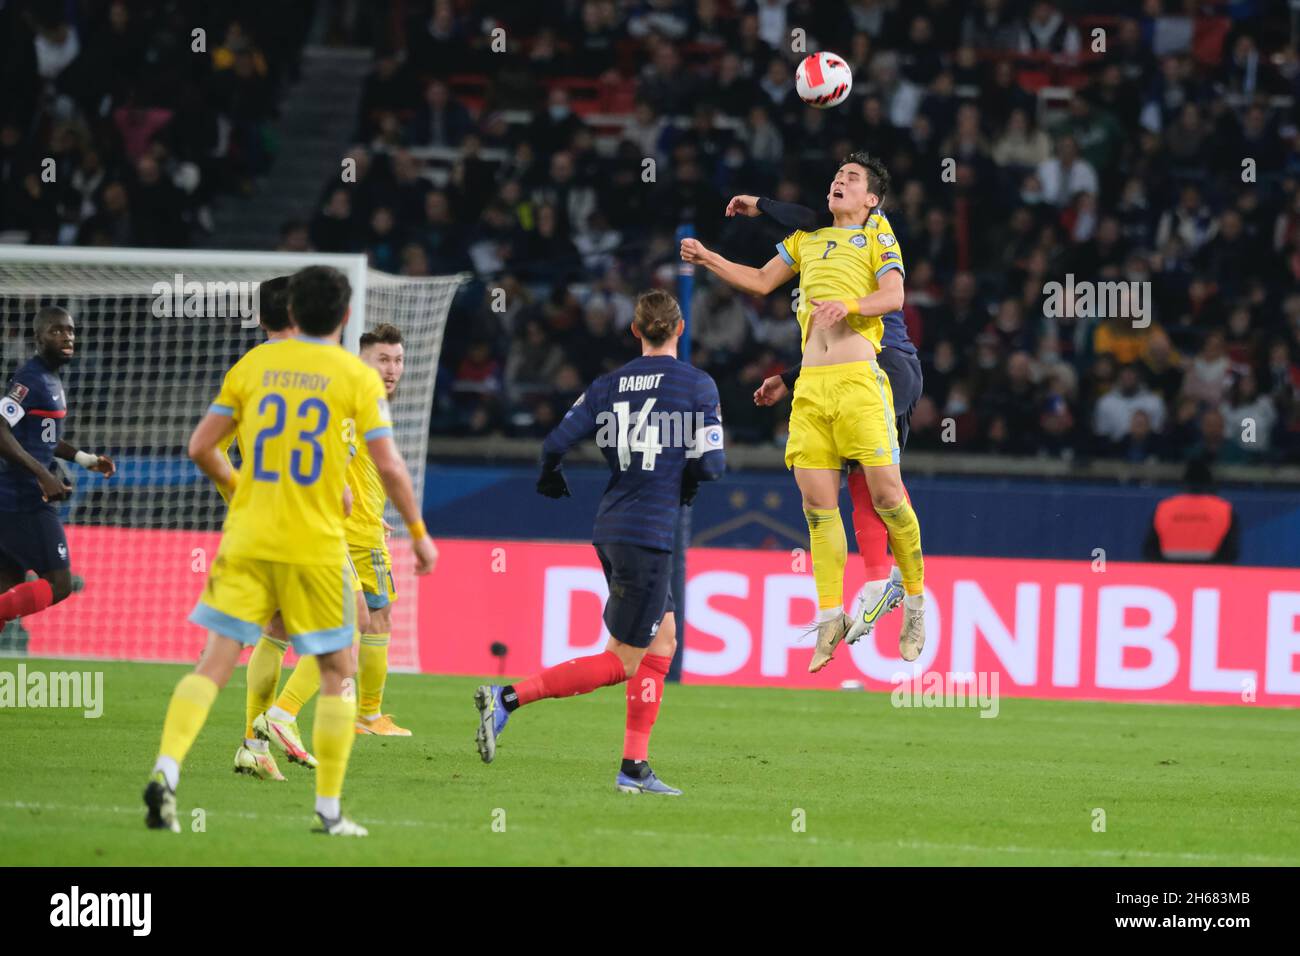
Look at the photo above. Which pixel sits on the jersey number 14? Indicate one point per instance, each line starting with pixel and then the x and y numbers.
pixel 637 436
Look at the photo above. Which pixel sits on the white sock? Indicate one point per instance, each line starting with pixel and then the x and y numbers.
pixel 914 601
pixel 255 745
pixel 279 713
pixel 171 771
pixel 829 614
pixel 328 807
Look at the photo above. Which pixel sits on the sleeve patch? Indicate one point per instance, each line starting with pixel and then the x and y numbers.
pixel 18 392
pixel 11 411
pixel 384 411
pixel 885 238
pixel 713 437
pixel 886 256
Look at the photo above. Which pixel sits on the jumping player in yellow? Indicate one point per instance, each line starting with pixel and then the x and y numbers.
pixel 382 350
pixel 283 546
pixel 850 274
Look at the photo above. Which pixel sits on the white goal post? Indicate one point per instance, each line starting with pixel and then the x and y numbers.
pixel 156 331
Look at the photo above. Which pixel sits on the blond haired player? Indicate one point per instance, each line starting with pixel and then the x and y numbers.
pixel 282 545
pixel 382 350
pixel 850 274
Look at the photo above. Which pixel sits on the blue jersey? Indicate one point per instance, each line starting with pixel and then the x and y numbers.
pixel 34 406
pixel 656 420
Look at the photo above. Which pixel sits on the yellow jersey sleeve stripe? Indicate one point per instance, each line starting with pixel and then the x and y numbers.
pixel 890 265
pixel 216 408
pixel 384 431
pixel 789 260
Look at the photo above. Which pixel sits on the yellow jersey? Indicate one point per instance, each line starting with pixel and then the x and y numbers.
pixel 289 398
pixel 837 262
pixel 364 528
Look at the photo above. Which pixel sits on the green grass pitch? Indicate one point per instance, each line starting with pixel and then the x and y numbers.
pixel 872 784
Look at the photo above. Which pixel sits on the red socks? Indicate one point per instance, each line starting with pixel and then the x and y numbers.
pixel 644 692
pixel 24 599
pixel 869 528
pixel 581 675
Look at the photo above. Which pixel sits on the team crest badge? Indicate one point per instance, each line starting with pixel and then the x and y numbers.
pixel 18 392
pixel 859 241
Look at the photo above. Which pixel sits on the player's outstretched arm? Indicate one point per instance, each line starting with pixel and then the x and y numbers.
pixel 52 489
pixel 99 463
pixel 790 214
pixel 210 436
pixel 773 275
pixel 397 483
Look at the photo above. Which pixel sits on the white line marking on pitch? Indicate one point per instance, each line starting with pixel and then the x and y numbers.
pixel 792 841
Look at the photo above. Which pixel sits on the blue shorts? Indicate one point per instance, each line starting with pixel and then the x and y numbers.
pixel 33 541
pixel 640 595
pixel 905 379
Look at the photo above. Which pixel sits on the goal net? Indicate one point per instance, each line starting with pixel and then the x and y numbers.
pixel 156 331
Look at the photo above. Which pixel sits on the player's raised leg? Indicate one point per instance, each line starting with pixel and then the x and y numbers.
pixel 278 725
pixel 33 540
pixel 884 588
pixel 890 501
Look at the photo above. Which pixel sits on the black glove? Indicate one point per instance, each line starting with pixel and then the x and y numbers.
pixel 553 485
pixel 690 488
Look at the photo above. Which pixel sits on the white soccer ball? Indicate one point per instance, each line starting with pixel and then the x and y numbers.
pixel 823 80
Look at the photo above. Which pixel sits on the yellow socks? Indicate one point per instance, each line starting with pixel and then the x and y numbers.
pixel 186 714
pixel 372 668
pixel 263 678
pixel 905 543
pixel 332 737
pixel 830 552
pixel 302 685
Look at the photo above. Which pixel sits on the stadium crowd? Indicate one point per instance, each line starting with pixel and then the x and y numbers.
pixel 147 109
pixel 1127 167
pixel 552 150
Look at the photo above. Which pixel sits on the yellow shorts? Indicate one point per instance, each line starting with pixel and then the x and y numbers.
pixel 316 602
pixel 842 412
pixel 375 568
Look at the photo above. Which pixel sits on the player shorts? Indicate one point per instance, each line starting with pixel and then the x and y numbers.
pixel 33 541
pixel 905 381
pixel 375 568
pixel 354 577
pixel 317 603
pixel 639 581
pixel 842 412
